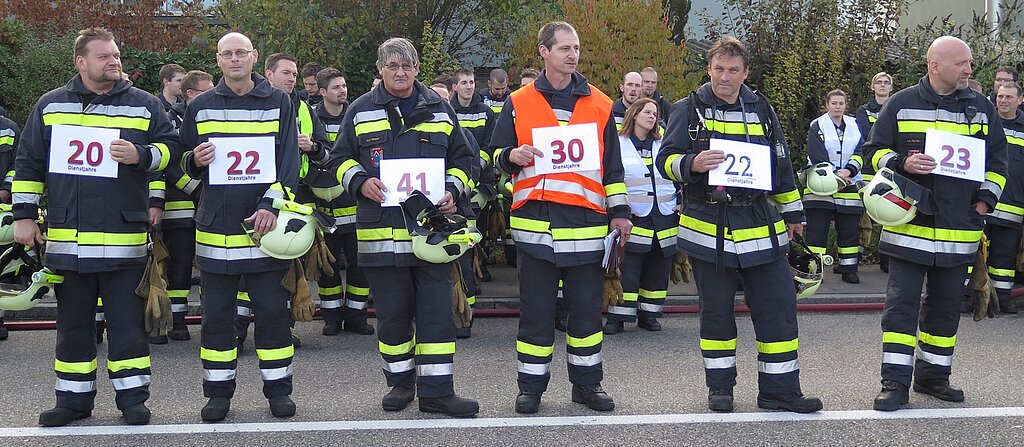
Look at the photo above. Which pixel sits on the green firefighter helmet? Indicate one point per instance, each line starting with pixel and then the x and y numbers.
pixel 885 202
pixel 807 267
pixel 17 298
pixel 294 233
pixel 324 185
pixel 821 179
pixel 6 224
pixel 437 238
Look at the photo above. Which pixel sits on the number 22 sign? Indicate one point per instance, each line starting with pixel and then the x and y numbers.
pixel 956 156
pixel 79 150
pixel 746 165
pixel 243 161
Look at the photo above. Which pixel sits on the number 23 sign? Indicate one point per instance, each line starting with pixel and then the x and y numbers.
pixel 955 155
pixel 243 161
pixel 79 150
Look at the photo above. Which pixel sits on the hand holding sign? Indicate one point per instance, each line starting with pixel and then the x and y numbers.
pixel 957 156
pixel 79 150
pixel 124 151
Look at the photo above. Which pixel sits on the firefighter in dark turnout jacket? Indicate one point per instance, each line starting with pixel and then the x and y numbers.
pixel 402 119
pixel 1004 222
pixel 242 105
pixel 97 220
pixel 732 232
pixel 9 134
pixel 559 220
pixel 938 246
pixel 867 114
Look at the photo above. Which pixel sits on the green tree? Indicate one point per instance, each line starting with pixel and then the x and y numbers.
pixel 616 37
pixel 434 61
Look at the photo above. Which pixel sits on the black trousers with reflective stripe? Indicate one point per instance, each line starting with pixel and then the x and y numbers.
pixel 648 271
pixel 847 235
pixel 273 326
pixel 76 332
pixel 181 245
pixel 348 306
pixel 582 292
pixel 421 295
pixel 1004 242
pixel 936 313
pixel 243 312
pixel 771 296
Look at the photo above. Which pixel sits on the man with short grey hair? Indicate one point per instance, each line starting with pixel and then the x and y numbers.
pixel 398 120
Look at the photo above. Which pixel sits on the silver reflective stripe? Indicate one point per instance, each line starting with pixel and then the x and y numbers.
pixel 1000 214
pixel 933 115
pixel 179 214
pixel 648 307
pixel 155 157
pixel 157 193
pixel 530 237
pixel 96 251
pixel 229 254
pixel 243 311
pixel 75 386
pixel 399 367
pixel 457 182
pixel 470 116
pixel 385 246
pixel 992 187
pixel 218 375
pixel 435 369
pixel 790 207
pixel 346 179
pixel 735 117
pixel 237 115
pixel 893 358
pixel 584 360
pixel 27 197
pixel 273 194
pixel 65 107
pixel 191 186
pixel 639 240
pixel 935 359
pixel 370 115
pixel 276 373
pixel 849 202
pixel 357 305
pixel 885 159
pixel 344 220
pixel 720 362
pixel 620 310
pixel 441 118
pixel 1003 285
pixel 960 248
pixel 125 383
pixel 730 246
pixel 179 308
pixel 330 304
pixel 779 367
pixel 534 369
pixel 100 316
pixel 579 246
pixel 848 261
pixel 332 128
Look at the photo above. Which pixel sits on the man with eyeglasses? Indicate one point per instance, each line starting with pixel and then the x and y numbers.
pixel 1004 75
pixel 867 114
pixel 241 188
pixel 398 120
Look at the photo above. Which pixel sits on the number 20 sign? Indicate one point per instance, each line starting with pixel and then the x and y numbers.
pixel 956 156
pixel 243 161
pixel 79 150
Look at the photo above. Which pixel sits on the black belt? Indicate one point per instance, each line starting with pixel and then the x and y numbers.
pixel 745 200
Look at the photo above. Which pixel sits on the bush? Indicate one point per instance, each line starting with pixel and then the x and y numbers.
pixel 31 67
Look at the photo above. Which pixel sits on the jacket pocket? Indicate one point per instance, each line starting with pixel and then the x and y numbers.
pixel 135 216
pixel 433 145
pixel 368 211
pixel 204 217
pixel 56 215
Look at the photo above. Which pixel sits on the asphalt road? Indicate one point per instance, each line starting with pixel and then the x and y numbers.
pixel 655 378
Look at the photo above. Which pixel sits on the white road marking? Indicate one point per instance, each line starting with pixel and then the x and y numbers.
pixel 559 421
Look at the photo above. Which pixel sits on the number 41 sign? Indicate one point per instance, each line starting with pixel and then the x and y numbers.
pixel 402 176
pixel 956 156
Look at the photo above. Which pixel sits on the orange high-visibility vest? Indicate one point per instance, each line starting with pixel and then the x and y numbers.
pixel 585 189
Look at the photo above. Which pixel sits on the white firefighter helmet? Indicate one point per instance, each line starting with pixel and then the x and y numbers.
pixel 6 224
pixel 294 233
pixel 821 179
pixel 806 267
pixel 885 202
pixel 437 238
pixel 28 290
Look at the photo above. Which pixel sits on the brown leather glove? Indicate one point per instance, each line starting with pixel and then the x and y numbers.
pixel 866 227
pixel 460 301
pixel 681 269
pixel 153 288
pixel 612 289
pixel 983 297
pixel 302 301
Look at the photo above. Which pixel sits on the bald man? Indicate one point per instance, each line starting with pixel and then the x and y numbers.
pixel 942 238
pixel 243 104
pixel 632 90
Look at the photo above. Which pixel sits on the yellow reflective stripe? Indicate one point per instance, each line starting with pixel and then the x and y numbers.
pixel 566 234
pixel 668 232
pixel 8 140
pixel 363 291
pixel 183 181
pixel 858 158
pixel 847 195
pixel 399 349
pixel 1002 272
pixel 877 156
pixel 238 127
pixel 717 345
pixel 669 161
pixel 372 126
pixel 305 119
pixel 642 232
pixel 614 188
pixel 747 234
pixel 898 338
pixel 214 355
pixel 99 301
pixel 338 212
pixel 786 197
pixel 469 124
pixel 435 348
pixel 179 205
pixel 937 340
pixel 74 367
pixel 329 290
pixel 135 363
pixel 730 128
pixel 165 156
pixel 383 234
pixel 534 350
pixel 242 296
pixel 177 293
pixel 83 119
pixel 937 234
pixel 61 234
pixel 778 347
pixel 90 238
pixel 459 174
pixel 923 126
pixel 157 184
pixel 849 250
pixel 445 128
pixel 537 226
pixel 628 296
pixel 996 178
pixel 286 352
pixel 27 186
pixel 1017 141
pixel 224 240
pixel 653 294
pixel 344 168
pixel 585 342
pixel 1010 208
pixel 485 156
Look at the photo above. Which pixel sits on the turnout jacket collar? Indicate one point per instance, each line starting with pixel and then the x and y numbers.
pixel 325 116
pixel 707 96
pixel 580 85
pixel 1016 123
pixel 474 102
pixel 928 93
pixel 427 97
pixel 262 88
pixel 76 85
